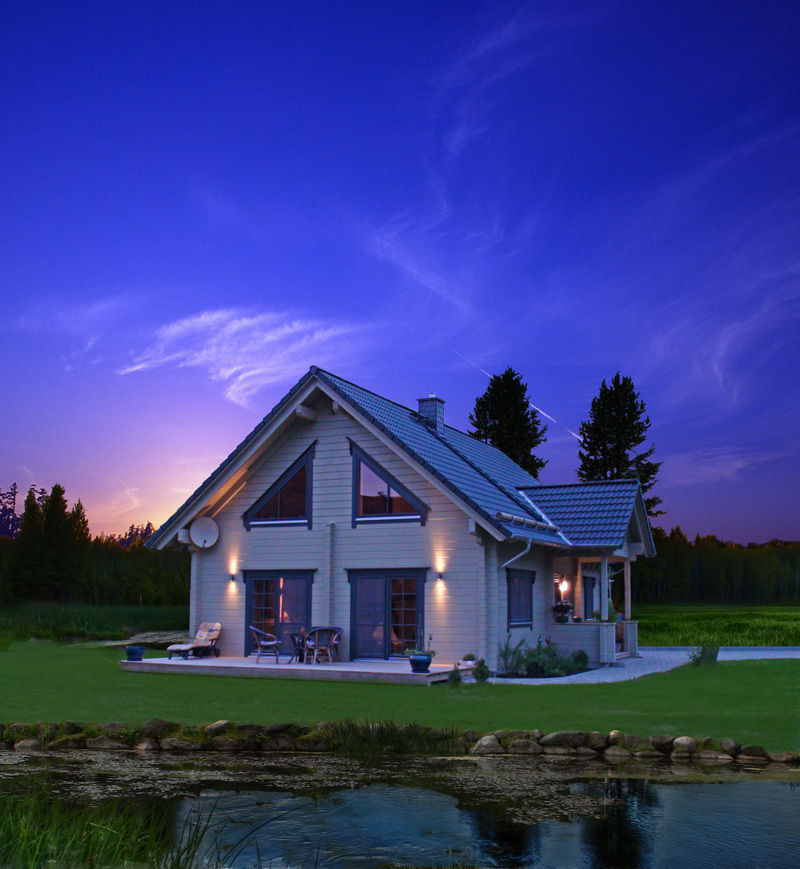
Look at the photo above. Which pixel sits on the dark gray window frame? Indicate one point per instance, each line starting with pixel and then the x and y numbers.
pixel 307 459
pixel 358 455
pixel 250 575
pixel 518 623
pixel 421 575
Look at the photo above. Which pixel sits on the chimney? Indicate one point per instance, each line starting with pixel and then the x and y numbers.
pixel 431 409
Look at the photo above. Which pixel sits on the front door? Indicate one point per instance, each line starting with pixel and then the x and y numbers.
pixel 386 612
pixel 278 603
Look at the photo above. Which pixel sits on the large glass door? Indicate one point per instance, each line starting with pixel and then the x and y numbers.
pixel 278 603
pixel 386 612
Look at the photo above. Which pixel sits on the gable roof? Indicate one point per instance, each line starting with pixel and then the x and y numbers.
pixel 592 513
pixel 501 492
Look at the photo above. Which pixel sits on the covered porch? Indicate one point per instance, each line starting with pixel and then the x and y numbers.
pixel 593 624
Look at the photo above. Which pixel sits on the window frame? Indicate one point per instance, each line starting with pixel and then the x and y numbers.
pixel 305 460
pixel 358 456
pixel 518 623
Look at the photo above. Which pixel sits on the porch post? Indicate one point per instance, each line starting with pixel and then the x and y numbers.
pixel 604 587
pixel 627 568
pixel 579 601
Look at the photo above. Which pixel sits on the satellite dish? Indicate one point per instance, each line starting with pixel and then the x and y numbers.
pixel 203 532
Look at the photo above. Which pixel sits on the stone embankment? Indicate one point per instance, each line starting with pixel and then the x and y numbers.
pixel 615 747
pixel 618 747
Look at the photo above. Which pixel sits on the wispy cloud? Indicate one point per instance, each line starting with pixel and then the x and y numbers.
pixel 713 464
pixel 246 350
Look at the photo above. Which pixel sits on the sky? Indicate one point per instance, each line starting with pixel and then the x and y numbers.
pixel 199 201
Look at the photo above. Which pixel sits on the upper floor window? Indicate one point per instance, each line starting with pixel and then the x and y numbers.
pixel 288 499
pixel 378 496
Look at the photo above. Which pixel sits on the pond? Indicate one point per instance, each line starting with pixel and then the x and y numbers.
pixel 323 811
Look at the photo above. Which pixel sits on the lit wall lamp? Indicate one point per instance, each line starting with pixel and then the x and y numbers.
pixel 232 577
pixel 439 576
pixel 563 586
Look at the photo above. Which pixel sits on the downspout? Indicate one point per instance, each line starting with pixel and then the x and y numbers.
pixel 519 555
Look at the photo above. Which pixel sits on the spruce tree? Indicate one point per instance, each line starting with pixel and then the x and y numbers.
pixel 26 564
pixel 503 417
pixel 616 427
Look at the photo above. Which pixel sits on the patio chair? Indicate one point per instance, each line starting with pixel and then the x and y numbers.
pixel 322 643
pixel 204 642
pixel 267 643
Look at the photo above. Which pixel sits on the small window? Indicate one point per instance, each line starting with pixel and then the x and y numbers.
pixel 288 500
pixel 377 496
pixel 520 598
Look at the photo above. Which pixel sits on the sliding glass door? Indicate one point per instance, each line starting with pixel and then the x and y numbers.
pixel 278 603
pixel 386 612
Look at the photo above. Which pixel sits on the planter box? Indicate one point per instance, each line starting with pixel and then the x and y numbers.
pixel 134 653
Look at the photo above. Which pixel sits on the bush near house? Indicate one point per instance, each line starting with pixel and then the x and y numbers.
pixel 542 661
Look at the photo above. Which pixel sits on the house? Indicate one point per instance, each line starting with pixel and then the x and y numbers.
pixel 345 508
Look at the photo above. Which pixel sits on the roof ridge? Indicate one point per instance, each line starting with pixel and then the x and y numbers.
pixel 582 483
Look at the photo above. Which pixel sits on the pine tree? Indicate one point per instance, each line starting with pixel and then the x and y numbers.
pixel 503 417
pixel 616 427
pixel 26 565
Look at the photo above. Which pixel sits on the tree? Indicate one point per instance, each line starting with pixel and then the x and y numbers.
pixel 616 427
pixel 505 418
pixel 26 565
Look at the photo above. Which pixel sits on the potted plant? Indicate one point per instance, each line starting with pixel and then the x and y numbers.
pixel 134 653
pixel 562 610
pixel 420 659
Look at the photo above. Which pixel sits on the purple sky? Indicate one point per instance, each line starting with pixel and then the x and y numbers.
pixel 201 200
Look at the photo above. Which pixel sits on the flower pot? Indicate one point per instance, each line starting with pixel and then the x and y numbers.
pixel 134 653
pixel 420 663
pixel 562 618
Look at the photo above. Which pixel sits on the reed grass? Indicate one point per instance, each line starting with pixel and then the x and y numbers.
pixel 40 828
pixel 52 621
pixel 378 738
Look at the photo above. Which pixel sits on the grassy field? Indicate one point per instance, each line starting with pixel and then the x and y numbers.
pixel 698 624
pixel 757 701
pixel 51 621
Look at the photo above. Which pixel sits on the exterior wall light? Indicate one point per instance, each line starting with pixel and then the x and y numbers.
pixel 232 578
pixel 439 577
pixel 563 586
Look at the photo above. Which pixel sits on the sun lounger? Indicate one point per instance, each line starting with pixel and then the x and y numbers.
pixel 204 642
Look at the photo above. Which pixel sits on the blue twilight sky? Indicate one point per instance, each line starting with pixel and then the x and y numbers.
pixel 200 200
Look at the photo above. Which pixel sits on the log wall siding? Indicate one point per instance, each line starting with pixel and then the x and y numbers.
pixel 332 547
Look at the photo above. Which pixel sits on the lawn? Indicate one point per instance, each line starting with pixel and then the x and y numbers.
pixel 84 621
pixel 699 624
pixel 754 701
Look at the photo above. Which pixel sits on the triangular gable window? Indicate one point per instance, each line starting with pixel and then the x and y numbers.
pixel 288 499
pixel 378 496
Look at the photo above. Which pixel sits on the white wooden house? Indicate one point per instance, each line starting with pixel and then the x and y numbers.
pixel 344 508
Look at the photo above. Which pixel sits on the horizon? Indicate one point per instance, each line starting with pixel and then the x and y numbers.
pixel 203 202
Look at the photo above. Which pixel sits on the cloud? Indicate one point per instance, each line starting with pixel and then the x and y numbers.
pixel 713 464
pixel 246 350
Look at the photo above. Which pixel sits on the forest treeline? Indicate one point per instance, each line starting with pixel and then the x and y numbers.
pixel 709 570
pixel 47 553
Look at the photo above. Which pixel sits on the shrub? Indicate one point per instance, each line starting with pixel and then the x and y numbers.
pixel 454 677
pixel 512 658
pixel 704 656
pixel 481 671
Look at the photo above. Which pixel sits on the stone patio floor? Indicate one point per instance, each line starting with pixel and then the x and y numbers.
pixel 657 659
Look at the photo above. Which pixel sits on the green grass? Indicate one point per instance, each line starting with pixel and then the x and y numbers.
pixel 752 701
pixel 698 624
pixel 51 621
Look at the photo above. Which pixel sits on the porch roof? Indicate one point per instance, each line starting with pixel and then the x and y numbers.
pixel 591 513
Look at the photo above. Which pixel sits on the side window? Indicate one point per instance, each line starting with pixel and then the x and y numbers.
pixel 378 496
pixel 520 598
pixel 288 499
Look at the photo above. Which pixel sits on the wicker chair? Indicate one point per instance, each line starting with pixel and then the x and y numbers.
pixel 267 643
pixel 322 643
